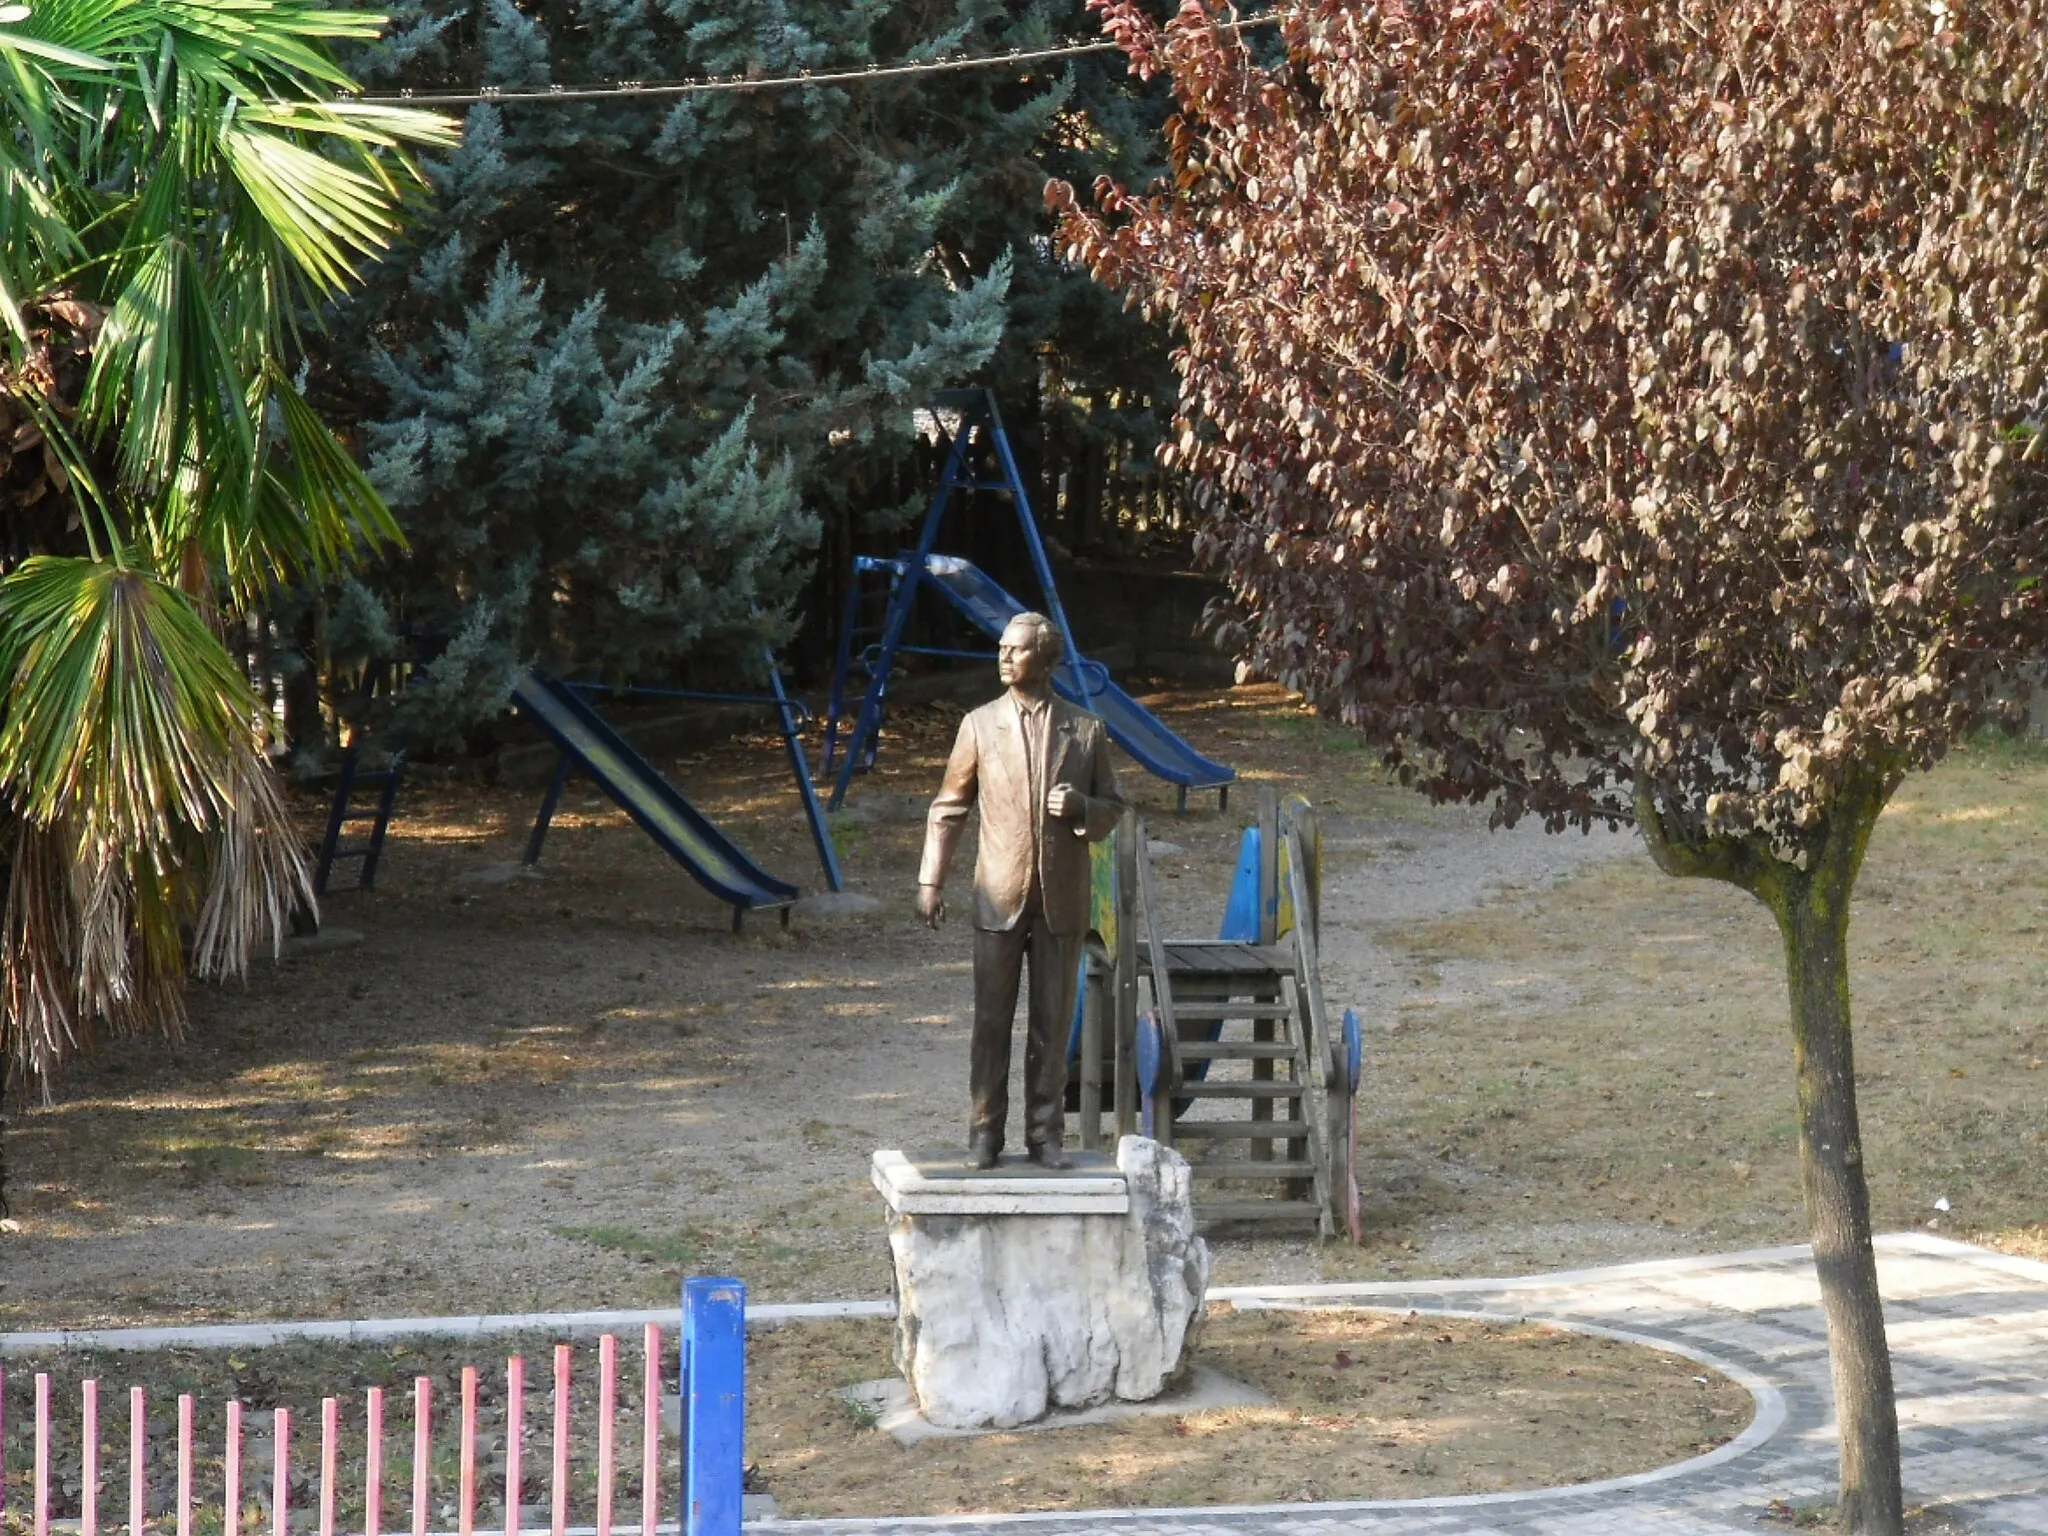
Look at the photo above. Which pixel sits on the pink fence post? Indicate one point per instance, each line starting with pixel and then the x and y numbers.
pixel 330 1461
pixel 373 1463
pixel 650 1433
pixel 561 1513
pixel 422 1452
pixel 41 1512
pixel 89 1462
pixel 184 1464
pixel 231 1472
pixel 466 1510
pixel 607 1419
pixel 138 1461
pixel 515 1430
pixel 281 1474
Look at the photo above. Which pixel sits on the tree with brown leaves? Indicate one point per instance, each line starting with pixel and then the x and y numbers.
pixel 1627 413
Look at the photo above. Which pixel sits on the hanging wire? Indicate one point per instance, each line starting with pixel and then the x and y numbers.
pixel 708 85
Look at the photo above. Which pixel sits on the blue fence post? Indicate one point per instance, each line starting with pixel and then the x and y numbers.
pixel 714 1391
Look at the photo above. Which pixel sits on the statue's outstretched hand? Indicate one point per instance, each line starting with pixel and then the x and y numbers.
pixel 931 906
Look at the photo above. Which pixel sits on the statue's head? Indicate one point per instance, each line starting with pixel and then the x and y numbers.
pixel 1030 648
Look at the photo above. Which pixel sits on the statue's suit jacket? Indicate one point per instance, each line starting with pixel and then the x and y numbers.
pixel 988 771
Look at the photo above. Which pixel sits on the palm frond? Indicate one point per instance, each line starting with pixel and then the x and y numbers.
pixel 256 875
pixel 195 156
pixel 323 214
pixel 123 708
pixel 38 955
pixel 184 168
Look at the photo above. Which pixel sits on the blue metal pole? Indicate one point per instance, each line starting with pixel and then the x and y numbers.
pixel 1040 561
pixel 841 669
pixel 564 767
pixel 714 1391
pixel 901 603
pixel 792 739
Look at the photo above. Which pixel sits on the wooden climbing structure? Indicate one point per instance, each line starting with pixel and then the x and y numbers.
pixel 1225 1047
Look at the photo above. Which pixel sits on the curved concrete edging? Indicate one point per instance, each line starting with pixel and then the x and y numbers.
pixel 774 1314
pixel 1767 1421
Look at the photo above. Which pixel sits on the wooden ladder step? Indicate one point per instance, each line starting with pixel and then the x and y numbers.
pixel 1254 1168
pixel 1237 1050
pixel 1240 1130
pixel 1277 1088
pixel 1220 976
pixel 1200 1008
pixel 1257 1210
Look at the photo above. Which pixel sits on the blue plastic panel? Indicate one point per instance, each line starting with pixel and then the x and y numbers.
pixel 714 1388
pixel 1241 913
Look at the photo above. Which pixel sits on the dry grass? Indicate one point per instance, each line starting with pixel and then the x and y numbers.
pixel 1610 1059
pixel 1365 1406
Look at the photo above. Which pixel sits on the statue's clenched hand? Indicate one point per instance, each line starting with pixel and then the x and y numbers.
pixel 931 906
pixel 1063 802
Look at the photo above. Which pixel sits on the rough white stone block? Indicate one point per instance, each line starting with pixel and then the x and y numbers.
pixel 1008 1306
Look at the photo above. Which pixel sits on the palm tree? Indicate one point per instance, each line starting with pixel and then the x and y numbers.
pixel 183 184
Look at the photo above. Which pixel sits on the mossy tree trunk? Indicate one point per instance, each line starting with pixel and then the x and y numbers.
pixel 1811 905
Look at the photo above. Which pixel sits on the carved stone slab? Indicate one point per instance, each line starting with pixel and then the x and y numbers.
pixel 1020 1291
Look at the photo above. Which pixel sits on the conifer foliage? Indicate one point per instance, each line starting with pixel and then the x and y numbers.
pixel 1629 412
pixel 644 350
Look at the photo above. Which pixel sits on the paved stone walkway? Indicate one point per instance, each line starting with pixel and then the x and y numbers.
pixel 1969 1338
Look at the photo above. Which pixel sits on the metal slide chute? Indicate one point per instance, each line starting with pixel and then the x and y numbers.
pixel 589 743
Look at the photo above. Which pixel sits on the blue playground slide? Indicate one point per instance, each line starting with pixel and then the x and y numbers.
pixel 1132 726
pixel 682 831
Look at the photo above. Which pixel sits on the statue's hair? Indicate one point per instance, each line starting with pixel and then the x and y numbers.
pixel 1051 644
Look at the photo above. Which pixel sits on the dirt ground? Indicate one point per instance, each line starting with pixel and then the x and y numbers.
pixel 1363 1406
pixel 567 1090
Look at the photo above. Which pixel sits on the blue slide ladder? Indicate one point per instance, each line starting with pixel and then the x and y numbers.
pixel 589 743
pixel 850 747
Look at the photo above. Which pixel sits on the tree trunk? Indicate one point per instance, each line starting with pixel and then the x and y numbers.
pixel 1813 916
pixel 1812 908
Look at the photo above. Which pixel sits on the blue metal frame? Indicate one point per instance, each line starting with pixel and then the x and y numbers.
pixel 902 600
pixel 1085 683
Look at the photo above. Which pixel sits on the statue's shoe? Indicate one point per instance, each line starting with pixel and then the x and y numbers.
pixel 982 1151
pixel 1048 1156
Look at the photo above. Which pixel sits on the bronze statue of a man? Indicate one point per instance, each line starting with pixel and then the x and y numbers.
pixel 1038 771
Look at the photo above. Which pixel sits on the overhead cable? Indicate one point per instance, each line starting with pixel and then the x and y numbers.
pixel 729 83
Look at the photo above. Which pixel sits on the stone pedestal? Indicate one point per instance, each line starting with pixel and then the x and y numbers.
pixel 1019 1290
